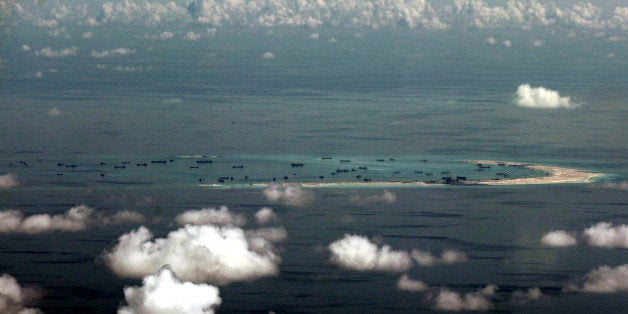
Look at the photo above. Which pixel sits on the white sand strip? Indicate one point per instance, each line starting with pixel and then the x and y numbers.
pixel 554 175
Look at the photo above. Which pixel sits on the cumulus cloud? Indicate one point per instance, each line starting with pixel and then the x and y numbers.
pixel 358 253
pixel 14 297
pixel 559 238
pixel 206 216
pixel 192 36
pixel 206 253
pixel 121 217
pixel 407 284
pixel 507 43
pixel 489 290
pixel 55 112
pixel 604 279
pixel 289 194
pixel 447 257
pixel 541 97
pixel 165 35
pixel 447 300
pixel 385 197
pixel 268 55
pixel 112 53
pixel 520 296
pixel 265 215
pixel 127 69
pixel 491 40
pixel 620 185
pixel 26 47
pixel 374 14
pixel 77 218
pixel 273 235
pixel 48 52
pixel 9 180
pixel 605 235
pixel 163 292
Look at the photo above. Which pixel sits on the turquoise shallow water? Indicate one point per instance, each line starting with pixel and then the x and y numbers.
pixel 226 171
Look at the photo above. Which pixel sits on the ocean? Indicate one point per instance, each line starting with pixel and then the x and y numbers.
pixel 387 106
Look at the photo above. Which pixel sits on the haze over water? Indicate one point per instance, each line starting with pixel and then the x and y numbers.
pixel 105 109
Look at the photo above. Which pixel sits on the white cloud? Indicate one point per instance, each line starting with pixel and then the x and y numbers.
pixel 447 300
pixel 163 292
pixel 14 297
pixel 620 18
pixel 192 36
pixel 289 194
pixel 26 47
pixel 268 55
pixel 559 238
pixel 112 53
pixel 207 253
pixel 538 43
pixel 9 180
pixel 620 185
pixel 491 40
pixel 541 97
pixel 121 217
pixel 165 35
pixel 447 257
pixel 47 23
pixel 520 296
pixel 274 235
pixel 374 14
pixel 605 235
pixel 206 216
pixel 120 68
pixel 385 197
pixel 75 219
pixel 407 284
pixel 88 35
pixel 146 12
pixel 55 112
pixel 48 52
pixel 604 279
pixel 265 215
pixel 507 43
pixel 489 290
pixel 315 36
pixel 358 253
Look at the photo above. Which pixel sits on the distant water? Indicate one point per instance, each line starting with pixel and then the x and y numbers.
pixel 499 228
pixel 356 107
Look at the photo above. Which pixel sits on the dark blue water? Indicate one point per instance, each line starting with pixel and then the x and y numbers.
pixel 412 102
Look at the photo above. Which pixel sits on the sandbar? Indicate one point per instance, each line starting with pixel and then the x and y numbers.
pixel 552 175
